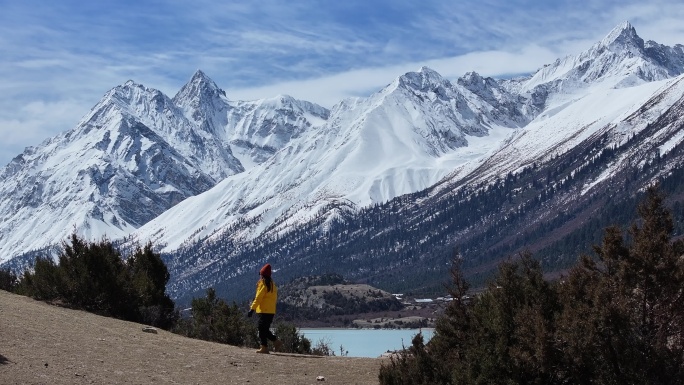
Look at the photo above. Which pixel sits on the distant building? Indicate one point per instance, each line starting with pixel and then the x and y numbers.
pixel 423 300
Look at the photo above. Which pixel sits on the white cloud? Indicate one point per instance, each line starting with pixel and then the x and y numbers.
pixel 331 89
pixel 36 121
pixel 60 58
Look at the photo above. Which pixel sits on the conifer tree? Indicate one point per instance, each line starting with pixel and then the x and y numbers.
pixel 451 339
pixel 214 320
pixel 44 283
pixel 512 334
pixel 8 280
pixel 148 278
pixel 622 316
pixel 95 278
pixel 615 319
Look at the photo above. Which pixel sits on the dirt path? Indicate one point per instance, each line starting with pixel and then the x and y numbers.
pixel 45 344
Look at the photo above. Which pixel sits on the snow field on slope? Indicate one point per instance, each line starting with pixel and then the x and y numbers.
pixel 547 136
pixel 365 154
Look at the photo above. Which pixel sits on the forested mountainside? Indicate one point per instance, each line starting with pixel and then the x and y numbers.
pixel 407 244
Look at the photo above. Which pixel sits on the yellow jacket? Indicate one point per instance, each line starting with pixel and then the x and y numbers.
pixel 265 301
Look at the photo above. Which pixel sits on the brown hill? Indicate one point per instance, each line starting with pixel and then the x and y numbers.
pixel 45 344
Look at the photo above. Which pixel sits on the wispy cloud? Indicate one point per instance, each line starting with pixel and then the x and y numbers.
pixel 363 82
pixel 60 57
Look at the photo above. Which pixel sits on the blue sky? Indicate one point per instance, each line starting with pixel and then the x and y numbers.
pixel 58 58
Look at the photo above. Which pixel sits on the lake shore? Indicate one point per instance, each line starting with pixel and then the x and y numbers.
pixel 410 317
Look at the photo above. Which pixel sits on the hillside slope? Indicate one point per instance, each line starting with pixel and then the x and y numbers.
pixel 44 344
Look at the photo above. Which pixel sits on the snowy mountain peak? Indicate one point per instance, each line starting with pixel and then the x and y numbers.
pixel 475 82
pixel 198 90
pixel 619 60
pixel 130 88
pixel 623 37
pixel 472 77
pixel 423 80
pixel 200 75
pixel 427 71
pixel 200 78
pixel 202 102
pixel 279 101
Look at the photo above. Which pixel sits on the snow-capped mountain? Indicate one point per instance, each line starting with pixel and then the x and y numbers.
pixel 420 129
pixel 134 156
pixel 402 139
pixel 200 170
pixel 621 59
pixel 613 92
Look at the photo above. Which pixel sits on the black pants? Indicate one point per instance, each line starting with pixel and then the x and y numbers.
pixel 264 326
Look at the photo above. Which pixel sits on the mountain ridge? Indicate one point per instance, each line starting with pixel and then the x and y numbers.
pixel 234 175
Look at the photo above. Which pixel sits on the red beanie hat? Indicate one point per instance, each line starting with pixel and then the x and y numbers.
pixel 266 270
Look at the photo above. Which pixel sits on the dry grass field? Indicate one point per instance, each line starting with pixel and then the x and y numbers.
pixel 46 344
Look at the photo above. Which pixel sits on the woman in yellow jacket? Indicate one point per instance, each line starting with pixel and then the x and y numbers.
pixel 265 305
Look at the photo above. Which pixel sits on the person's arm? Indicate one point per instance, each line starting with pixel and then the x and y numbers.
pixel 261 291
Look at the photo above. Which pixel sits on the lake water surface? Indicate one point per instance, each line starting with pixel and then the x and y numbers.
pixel 365 342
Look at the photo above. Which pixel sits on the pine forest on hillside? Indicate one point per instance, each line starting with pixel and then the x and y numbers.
pixel 615 319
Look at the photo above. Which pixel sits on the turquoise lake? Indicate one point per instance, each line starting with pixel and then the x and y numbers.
pixel 365 342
